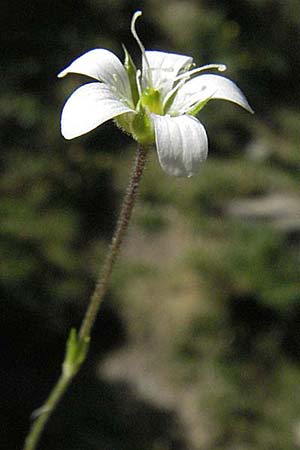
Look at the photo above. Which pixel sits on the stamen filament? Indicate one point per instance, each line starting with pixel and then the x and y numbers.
pixel 138 81
pixel 219 67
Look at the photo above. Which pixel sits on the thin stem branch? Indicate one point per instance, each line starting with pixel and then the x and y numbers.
pixel 45 412
pixel 77 346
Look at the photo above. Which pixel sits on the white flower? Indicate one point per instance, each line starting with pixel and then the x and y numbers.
pixel 157 104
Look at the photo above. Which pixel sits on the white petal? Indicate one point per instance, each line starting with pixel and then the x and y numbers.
pixel 181 144
pixel 104 66
pixel 205 87
pixel 88 107
pixel 164 69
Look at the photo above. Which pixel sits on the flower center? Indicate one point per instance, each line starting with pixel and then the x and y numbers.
pixel 151 99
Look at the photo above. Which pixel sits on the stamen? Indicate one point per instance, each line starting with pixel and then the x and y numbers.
pixel 219 67
pixel 136 15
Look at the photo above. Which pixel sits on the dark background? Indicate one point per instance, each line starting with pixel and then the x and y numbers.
pixel 197 344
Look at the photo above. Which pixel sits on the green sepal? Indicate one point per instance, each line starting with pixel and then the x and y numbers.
pixel 76 351
pixel 131 72
pixel 169 102
pixel 142 128
pixel 124 122
pixel 198 107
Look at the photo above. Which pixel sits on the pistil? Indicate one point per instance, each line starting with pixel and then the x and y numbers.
pixel 136 15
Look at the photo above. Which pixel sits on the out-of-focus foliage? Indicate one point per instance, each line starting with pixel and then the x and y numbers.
pixel 197 345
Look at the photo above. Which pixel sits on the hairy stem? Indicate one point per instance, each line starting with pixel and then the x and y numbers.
pixel 116 242
pixel 77 346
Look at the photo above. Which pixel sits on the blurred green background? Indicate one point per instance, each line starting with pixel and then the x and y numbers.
pixel 198 344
